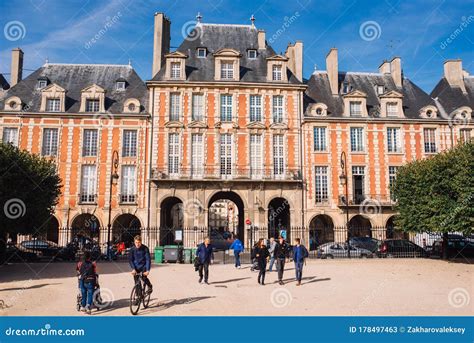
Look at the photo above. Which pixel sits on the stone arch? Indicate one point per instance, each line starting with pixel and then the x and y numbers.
pixel 321 230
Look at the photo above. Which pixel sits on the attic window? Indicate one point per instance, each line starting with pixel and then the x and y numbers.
pixel 42 84
pixel 131 107
pixel 120 85
pixel 201 52
pixel 380 89
pixel 252 54
pixel 429 113
pixel 346 88
pixel 277 73
pixel 12 104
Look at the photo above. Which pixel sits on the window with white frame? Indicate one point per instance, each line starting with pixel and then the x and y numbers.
pixel 429 136
pixel 357 139
pixel 173 153
pixel 175 70
pixel 88 183
pixel 355 108
pixel 321 184
pixel 89 142
pixel 320 139
pixel 278 155
pixel 252 54
pixel 392 109
pixel 226 154
pixel 393 139
pixel 128 192
pixel 197 154
pixel 358 184
pixel 465 135
pixel 277 72
pixel 53 105
pixel 255 108
pixel 175 106
pixel 10 136
pixel 256 159
pixel 50 142
pixel 197 107
pixel 42 84
pixel 380 89
pixel 392 174
pixel 226 107
pixel 227 70
pixel 92 105
pixel 277 108
pixel 120 85
pixel 129 143
pixel 201 52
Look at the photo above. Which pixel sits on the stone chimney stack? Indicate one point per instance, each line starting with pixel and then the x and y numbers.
pixel 294 52
pixel 332 70
pixel 453 73
pixel 161 41
pixel 16 67
pixel 396 71
pixel 384 68
pixel 261 39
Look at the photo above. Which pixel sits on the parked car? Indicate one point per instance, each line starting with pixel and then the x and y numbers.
pixel 17 253
pixel 333 249
pixel 46 249
pixel 367 243
pixel 457 248
pixel 400 248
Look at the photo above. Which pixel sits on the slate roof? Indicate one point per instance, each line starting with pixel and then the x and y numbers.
pixel 74 78
pixel 214 37
pixel 4 83
pixel 319 90
pixel 452 98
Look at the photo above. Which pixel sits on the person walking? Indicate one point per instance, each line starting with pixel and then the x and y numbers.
pixel 205 254
pixel 87 273
pixel 300 253
pixel 281 254
pixel 238 247
pixel 261 254
pixel 271 250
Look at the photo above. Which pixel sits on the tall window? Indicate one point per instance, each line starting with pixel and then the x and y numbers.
pixel 358 186
pixel 392 174
pixel 92 105
pixel 128 185
pixel 357 139
pixel 392 109
pixel 278 156
pixel 226 154
pixel 89 143
pixel 198 107
pixel 321 184
pixel 256 155
pixel 175 106
pixel 227 70
pixel 88 183
pixel 10 136
pixel 173 153
pixel 355 108
pixel 129 143
pixel 50 142
pixel 53 105
pixel 319 139
pixel 276 72
pixel 197 154
pixel 465 135
pixel 175 70
pixel 277 108
pixel 255 108
pixel 429 136
pixel 226 107
pixel 393 139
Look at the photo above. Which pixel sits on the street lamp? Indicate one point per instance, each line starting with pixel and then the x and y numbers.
pixel 343 181
pixel 113 181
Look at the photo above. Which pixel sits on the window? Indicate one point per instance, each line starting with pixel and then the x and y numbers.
pixel 131 107
pixel 88 184
pixel 42 84
pixel 277 108
pixel 198 107
pixel 393 139
pixel 252 54
pixel 278 156
pixel 226 154
pixel 256 156
pixel 226 107
pixel 346 88
pixel 92 105
pixel 392 109
pixel 321 184
pixel 392 173
pixel 197 154
pixel 380 90
pixel 128 185
pixel 355 108
pixel 89 143
pixel 129 143
pixel 201 52
pixel 255 108
pixel 50 142
pixel 10 136
pixel 358 184
pixel 175 70
pixel 53 105
pixel 357 139
pixel 173 153
pixel 276 73
pixel 175 106
pixel 465 135
pixel 429 136
pixel 319 111
pixel 120 85
pixel 319 139
pixel 227 71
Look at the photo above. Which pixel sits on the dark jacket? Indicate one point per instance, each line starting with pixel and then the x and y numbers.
pixel 262 253
pixel 282 250
pixel 139 259
pixel 205 254
pixel 299 253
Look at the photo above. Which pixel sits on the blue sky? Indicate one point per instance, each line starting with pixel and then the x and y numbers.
pixel 417 31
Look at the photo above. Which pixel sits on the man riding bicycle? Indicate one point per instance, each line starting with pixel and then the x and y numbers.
pixel 140 262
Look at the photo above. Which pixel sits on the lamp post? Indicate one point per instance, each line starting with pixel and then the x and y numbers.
pixel 113 181
pixel 343 180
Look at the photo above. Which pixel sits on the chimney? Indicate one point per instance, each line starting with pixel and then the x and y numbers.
pixel 261 39
pixel 161 41
pixel 453 73
pixel 396 71
pixel 295 59
pixel 384 68
pixel 332 70
pixel 17 66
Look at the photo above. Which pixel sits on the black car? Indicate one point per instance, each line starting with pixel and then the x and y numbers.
pixel 367 243
pixel 219 240
pixel 16 253
pixel 400 248
pixel 46 249
pixel 457 248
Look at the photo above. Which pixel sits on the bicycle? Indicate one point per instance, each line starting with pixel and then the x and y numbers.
pixel 139 295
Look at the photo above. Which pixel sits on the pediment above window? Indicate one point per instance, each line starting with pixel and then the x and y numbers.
pixel 53 89
pixel 277 58
pixel 279 127
pixel 175 124
pixel 197 124
pixel 176 54
pixel 256 125
pixel 391 94
pixel 227 52
pixel 226 125
pixel 355 94
pixel 93 89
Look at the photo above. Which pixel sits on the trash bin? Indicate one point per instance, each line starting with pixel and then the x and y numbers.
pixel 172 253
pixel 193 254
pixel 187 255
pixel 159 255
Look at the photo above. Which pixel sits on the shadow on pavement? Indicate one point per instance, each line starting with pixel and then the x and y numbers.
pixel 31 287
pixel 230 280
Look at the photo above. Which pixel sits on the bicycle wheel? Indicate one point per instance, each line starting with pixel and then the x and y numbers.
pixel 146 297
pixel 135 300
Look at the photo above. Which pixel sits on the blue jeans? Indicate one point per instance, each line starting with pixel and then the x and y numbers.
pixel 87 290
pixel 237 258
pixel 272 261
pixel 299 270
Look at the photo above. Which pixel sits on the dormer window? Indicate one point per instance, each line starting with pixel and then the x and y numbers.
pixel 392 109
pixel 227 70
pixel 355 108
pixel 42 83
pixel 53 105
pixel 277 72
pixel 380 89
pixel 346 88
pixel 120 85
pixel 201 52
pixel 92 105
pixel 319 111
pixel 252 54
pixel 131 108
pixel 429 113
pixel 175 70
pixel 13 104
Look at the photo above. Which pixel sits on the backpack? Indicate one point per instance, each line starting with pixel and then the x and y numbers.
pixel 87 273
